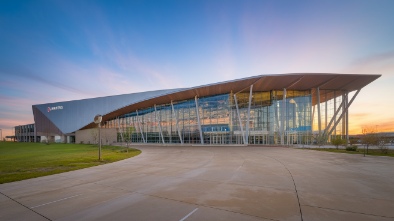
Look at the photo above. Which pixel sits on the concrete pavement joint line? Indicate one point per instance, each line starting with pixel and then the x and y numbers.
pixel 346 195
pixel 231 183
pixel 369 214
pixel 25 206
pixel 200 205
pixel 55 201
pixel 295 187
pixel 184 218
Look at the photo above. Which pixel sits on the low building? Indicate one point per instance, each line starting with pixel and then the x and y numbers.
pixel 25 133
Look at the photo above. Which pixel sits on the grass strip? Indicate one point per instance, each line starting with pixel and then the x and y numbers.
pixel 20 161
pixel 360 150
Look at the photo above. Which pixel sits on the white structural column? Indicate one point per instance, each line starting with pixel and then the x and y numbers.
pixel 276 122
pixel 120 129
pixel 283 120
pixel 313 116
pixel 198 119
pixel 334 117
pixel 344 111
pixel 176 121
pixel 347 117
pixel 325 112
pixel 239 119
pixel 343 116
pixel 159 123
pixel 139 125
pixel 248 120
pixel 318 110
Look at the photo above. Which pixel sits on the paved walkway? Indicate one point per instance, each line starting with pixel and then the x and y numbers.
pixel 212 183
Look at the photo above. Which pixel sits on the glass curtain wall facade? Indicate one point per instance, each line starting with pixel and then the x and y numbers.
pixel 267 117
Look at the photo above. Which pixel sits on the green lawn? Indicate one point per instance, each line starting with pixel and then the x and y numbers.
pixel 20 161
pixel 360 150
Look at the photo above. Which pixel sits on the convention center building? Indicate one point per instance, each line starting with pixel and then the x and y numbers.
pixel 301 108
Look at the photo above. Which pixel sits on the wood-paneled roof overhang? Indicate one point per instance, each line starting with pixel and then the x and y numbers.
pixel 329 84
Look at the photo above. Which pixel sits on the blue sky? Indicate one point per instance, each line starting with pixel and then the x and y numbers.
pixel 65 50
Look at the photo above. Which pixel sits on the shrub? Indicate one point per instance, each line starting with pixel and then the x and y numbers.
pixel 337 140
pixel 351 148
pixel 384 149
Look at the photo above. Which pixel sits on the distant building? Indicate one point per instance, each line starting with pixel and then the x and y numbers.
pixel 25 133
pixel 266 109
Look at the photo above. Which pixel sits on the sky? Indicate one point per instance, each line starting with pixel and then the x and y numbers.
pixel 52 51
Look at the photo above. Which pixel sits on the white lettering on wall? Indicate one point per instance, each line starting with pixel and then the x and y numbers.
pixel 55 108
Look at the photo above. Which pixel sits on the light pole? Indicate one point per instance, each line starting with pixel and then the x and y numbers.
pixel 97 119
pixel 1 134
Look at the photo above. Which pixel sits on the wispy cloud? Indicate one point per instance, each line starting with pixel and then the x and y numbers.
pixel 375 58
pixel 29 75
pixel 378 63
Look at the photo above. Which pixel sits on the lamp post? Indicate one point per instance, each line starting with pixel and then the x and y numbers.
pixel 1 134
pixel 97 119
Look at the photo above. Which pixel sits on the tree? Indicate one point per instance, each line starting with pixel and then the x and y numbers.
pixel 337 140
pixel 127 135
pixel 382 144
pixel 319 139
pixel 369 137
pixel 353 140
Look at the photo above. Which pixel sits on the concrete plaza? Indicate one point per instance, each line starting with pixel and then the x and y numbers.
pixel 212 183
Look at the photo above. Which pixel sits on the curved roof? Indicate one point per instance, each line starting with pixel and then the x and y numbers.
pixel 79 114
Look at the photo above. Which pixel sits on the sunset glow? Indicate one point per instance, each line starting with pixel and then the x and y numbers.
pixel 69 50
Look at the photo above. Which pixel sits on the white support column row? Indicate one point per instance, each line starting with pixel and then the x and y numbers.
pixel 159 123
pixel 239 118
pixel 333 119
pixel 198 119
pixel 344 111
pixel 176 120
pixel 248 120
